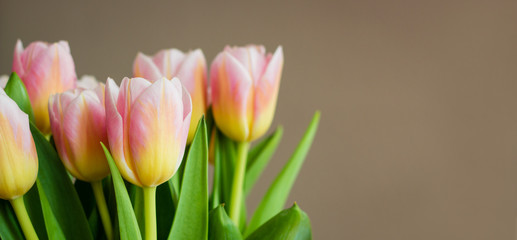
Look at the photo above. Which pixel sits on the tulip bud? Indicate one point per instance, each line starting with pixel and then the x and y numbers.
pixel 3 81
pixel 45 69
pixel 18 157
pixel 78 123
pixel 190 68
pixel 147 127
pixel 244 83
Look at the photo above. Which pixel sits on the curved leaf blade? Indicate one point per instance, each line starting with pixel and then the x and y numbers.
pixel 54 182
pixel 16 90
pixel 290 224
pixel 128 225
pixel 191 217
pixel 259 157
pixel 277 194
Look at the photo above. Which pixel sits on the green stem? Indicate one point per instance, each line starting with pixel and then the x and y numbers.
pixel 23 218
pixel 150 212
pixel 103 208
pixel 238 180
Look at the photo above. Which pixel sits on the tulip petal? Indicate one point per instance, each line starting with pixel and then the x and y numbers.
pixel 83 126
pixel 67 74
pixel 64 45
pixel 169 62
pixel 231 86
pixel 130 89
pixel 266 93
pixel 155 120
pixel 18 67
pixel 115 130
pixel 186 128
pixel 193 76
pixel 56 118
pixel 32 52
pixel 192 71
pixel 252 57
pixel 146 68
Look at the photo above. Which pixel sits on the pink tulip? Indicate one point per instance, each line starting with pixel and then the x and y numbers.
pixel 45 69
pixel 244 83
pixel 77 120
pixel 190 68
pixel 147 126
pixel 18 157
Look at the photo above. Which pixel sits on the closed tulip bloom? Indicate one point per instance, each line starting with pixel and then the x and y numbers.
pixel 244 82
pixel 190 68
pixel 18 157
pixel 78 123
pixel 45 69
pixel 147 126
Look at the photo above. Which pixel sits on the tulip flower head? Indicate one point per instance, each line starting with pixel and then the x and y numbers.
pixel 244 85
pixel 78 123
pixel 45 69
pixel 18 157
pixel 189 67
pixel 147 126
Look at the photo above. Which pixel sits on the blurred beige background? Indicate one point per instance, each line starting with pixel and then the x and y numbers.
pixel 418 138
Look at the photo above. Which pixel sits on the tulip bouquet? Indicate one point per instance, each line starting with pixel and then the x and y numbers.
pixel 91 160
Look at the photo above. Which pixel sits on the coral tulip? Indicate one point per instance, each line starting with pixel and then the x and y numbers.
pixel 77 120
pixel 45 69
pixel 147 126
pixel 190 68
pixel 244 82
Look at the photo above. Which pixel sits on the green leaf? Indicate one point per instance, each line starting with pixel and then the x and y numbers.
pixel 259 157
pixel 290 224
pixel 126 217
pixel 221 226
pixel 191 218
pixel 217 191
pixel 226 154
pixel 16 90
pixel 277 194
pixel 54 182
pixel 9 227
pixel 52 225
